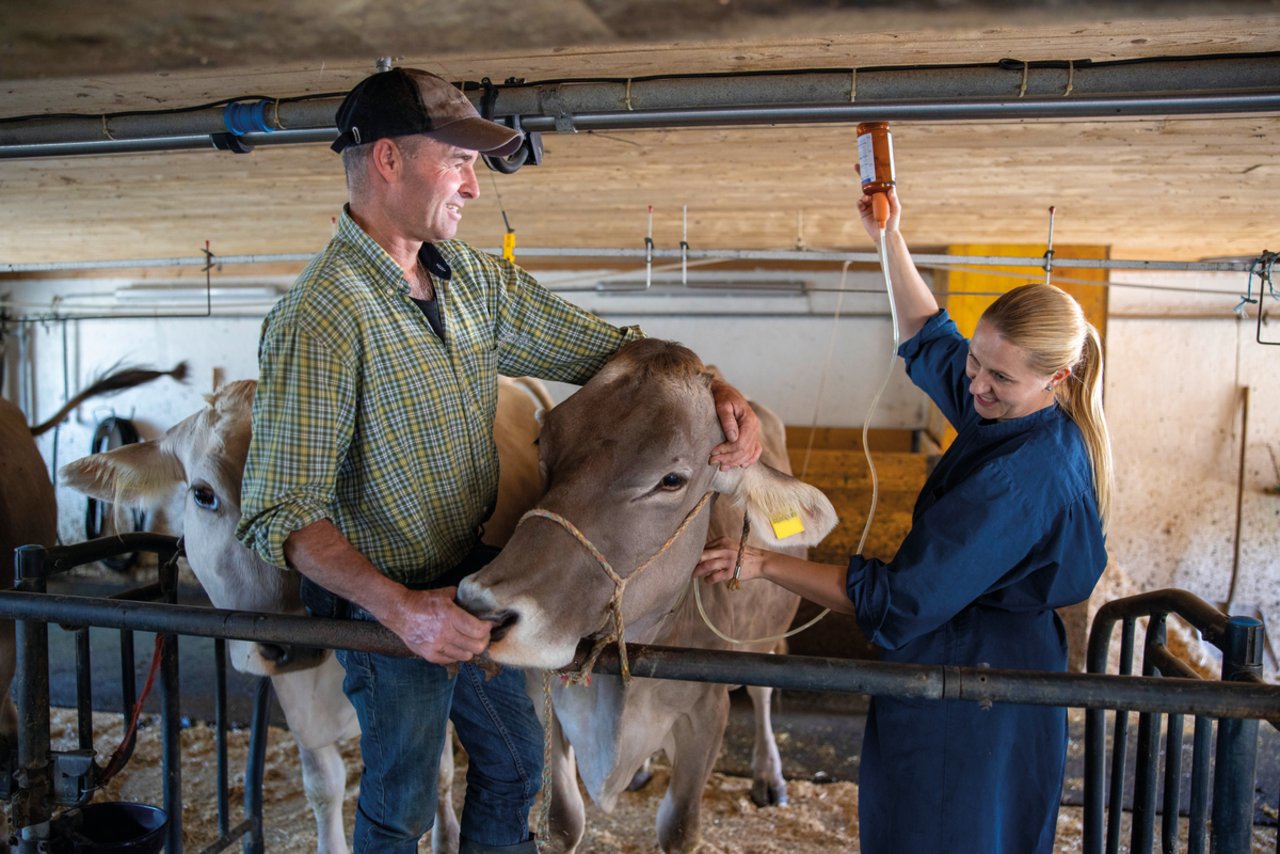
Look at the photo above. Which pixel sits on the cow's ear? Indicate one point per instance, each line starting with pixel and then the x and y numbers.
pixel 133 475
pixel 784 511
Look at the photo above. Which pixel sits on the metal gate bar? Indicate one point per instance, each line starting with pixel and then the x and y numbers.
pixel 1235 756
pixel 1247 699
pixel 60 778
pixel 808 673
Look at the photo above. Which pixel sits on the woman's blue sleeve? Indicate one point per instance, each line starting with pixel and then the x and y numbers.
pixel 959 548
pixel 935 358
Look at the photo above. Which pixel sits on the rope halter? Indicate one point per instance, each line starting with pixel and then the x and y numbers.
pixel 620 584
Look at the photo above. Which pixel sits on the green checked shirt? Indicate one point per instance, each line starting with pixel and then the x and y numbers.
pixel 364 416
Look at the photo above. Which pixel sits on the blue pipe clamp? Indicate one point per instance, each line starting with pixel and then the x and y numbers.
pixel 241 118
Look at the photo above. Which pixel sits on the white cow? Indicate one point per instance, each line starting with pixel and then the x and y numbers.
pixel 204 455
pixel 625 460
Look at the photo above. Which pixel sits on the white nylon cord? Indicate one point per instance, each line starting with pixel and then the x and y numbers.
pixel 866 448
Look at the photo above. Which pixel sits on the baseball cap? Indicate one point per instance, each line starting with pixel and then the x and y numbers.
pixel 405 101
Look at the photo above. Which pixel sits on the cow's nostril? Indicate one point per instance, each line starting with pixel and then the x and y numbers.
pixel 502 623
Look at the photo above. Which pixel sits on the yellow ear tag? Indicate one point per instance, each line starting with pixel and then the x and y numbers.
pixel 787 526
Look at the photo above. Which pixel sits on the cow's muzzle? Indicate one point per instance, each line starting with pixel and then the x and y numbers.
pixel 290 658
pixel 502 622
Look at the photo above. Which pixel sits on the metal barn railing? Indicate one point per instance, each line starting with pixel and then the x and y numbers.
pixel 1240 703
pixel 47 779
pixel 1232 764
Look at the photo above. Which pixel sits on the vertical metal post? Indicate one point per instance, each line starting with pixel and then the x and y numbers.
pixel 84 689
pixel 1198 817
pixel 1095 778
pixel 1172 784
pixel 1237 753
pixel 1120 744
pixel 255 764
pixel 1147 758
pixel 220 729
pixel 33 794
pixel 170 726
pixel 128 684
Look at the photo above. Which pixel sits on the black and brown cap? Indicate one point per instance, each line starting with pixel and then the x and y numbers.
pixel 405 101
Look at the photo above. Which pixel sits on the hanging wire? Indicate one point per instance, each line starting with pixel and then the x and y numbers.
pixel 1264 268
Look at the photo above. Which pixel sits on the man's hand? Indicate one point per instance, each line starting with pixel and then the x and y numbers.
pixel 741 428
pixel 433 626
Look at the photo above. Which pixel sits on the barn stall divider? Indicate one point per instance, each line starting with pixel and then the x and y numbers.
pixel 1237 704
pixel 48 779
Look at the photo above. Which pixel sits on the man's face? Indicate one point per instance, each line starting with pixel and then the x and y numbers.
pixel 439 180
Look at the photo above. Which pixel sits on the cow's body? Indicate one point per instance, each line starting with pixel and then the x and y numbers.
pixel 28 514
pixel 626 462
pixel 205 455
pixel 29 510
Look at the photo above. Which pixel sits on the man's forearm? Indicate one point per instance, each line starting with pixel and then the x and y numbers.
pixel 321 553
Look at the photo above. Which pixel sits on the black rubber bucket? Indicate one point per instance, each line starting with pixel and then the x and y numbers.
pixel 111 827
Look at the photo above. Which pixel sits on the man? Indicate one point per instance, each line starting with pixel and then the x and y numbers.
pixel 372 464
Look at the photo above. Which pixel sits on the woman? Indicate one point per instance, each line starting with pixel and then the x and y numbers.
pixel 1009 526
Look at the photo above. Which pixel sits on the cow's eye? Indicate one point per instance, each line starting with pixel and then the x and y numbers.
pixel 204 497
pixel 671 482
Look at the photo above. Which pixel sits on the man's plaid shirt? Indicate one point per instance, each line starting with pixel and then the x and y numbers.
pixel 364 416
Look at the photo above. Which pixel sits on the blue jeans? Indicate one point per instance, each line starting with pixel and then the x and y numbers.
pixel 402 704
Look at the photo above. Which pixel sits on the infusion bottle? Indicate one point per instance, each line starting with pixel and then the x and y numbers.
pixel 875 157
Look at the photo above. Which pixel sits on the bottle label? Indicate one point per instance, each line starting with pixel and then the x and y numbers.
pixel 867 158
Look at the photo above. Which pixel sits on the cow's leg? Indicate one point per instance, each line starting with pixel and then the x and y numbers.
pixel 694 745
pixel 444 833
pixel 324 779
pixel 568 813
pixel 768 788
pixel 643 775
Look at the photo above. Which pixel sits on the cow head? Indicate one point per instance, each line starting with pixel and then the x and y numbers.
pixel 624 460
pixel 204 455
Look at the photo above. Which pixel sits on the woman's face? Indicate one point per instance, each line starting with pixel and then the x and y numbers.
pixel 1001 381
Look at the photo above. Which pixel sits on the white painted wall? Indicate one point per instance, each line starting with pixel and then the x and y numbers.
pixel 773 348
pixel 1172 389
pixel 1173 402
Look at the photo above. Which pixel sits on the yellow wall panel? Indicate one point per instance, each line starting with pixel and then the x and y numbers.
pixel 966 293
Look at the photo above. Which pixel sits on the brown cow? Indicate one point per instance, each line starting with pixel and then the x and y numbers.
pixel 29 508
pixel 625 463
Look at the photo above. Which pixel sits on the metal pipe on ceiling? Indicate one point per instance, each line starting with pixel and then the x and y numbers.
pixel 1247 83
pixel 790 255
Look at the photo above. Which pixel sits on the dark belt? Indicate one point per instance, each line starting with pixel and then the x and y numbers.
pixel 321 603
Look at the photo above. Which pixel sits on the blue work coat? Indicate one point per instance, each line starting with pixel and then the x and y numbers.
pixel 1005 530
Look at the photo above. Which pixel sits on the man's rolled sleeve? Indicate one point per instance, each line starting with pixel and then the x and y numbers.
pixel 266 532
pixel 303 414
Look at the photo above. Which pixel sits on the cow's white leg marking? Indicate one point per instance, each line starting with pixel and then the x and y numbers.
pixel 324 779
pixel 445 833
pixel 568 813
pixel 768 788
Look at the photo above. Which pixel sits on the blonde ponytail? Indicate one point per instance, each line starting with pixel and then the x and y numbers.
pixel 1051 327
pixel 1080 396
